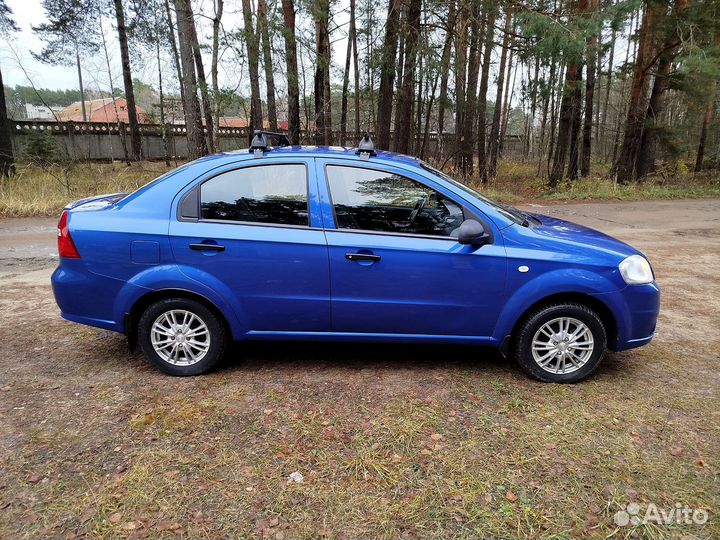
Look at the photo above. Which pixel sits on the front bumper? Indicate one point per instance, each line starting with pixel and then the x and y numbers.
pixel 636 309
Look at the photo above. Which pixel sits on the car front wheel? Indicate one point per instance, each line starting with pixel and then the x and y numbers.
pixel 561 343
pixel 181 337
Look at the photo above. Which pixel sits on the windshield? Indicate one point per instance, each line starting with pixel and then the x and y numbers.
pixel 508 211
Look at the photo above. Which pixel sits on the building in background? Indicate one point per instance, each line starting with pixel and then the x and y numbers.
pixel 41 112
pixel 105 110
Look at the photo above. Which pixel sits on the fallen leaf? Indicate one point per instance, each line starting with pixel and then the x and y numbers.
pixel 436 436
pixel 325 532
pixel 131 525
pixel 168 526
pixel 426 452
pixel 34 478
pixel 274 522
pixel 115 518
pixel 510 496
pixel 676 451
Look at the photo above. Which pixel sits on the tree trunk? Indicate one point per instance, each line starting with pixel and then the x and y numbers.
pixel 606 106
pixel 323 116
pixel 387 75
pixel 253 52
pixel 444 73
pixel 494 149
pixel 467 145
pixel 402 31
pixel 566 144
pixel 219 6
pixel 174 47
pixel 7 158
pixel 645 160
pixel 428 112
pixel 625 168
pixel 656 105
pixel 707 120
pixel 345 86
pixel 461 50
pixel 193 118
pixel 592 56
pixel 161 97
pixel 562 144
pixel 482 94
pixel 267 60
pixel 120 125
pixel 136 142
pixel 403 128
pixel 576 105
pixel 356 67
pixel 292 72
pixel 507 99
pixel 202 83
pixel 80 83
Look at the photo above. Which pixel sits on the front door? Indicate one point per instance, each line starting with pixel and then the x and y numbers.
pixel 253 240
pixel 395 264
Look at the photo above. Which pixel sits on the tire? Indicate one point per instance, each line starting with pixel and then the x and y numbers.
pixel 570 341
pixel 174 353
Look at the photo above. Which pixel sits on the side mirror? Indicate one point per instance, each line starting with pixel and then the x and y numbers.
pixel 472 233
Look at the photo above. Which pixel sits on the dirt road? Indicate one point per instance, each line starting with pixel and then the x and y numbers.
pixel 392 441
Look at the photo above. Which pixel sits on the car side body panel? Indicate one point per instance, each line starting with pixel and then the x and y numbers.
pixel 290 282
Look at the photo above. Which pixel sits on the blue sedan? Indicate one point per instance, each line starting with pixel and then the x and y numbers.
pixel 318 243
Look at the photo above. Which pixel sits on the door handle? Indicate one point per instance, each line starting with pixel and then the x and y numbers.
pixel 362 257
pixel 207 247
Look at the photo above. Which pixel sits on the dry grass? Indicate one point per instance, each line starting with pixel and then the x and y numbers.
pixel 44 191
pixel 517 181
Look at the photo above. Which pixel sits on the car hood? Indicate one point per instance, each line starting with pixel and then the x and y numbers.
pixel 580 236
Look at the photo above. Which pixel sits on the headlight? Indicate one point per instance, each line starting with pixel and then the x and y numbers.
pixel 636 270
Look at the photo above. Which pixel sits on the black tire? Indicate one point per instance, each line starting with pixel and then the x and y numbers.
pixel 216 333
pixel 533 323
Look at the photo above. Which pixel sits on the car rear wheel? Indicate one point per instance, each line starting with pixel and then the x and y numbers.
pixel 181 337
pixel 561 343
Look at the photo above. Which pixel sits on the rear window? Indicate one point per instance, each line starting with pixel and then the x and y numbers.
pixel 275 194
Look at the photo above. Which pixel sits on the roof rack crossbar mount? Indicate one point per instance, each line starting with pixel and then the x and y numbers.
pixel 259 141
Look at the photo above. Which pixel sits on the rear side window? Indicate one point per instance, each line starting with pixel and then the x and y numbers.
pixel 370 200
pixel 261 194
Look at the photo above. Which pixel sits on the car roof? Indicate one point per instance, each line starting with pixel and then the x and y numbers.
pixel 323 151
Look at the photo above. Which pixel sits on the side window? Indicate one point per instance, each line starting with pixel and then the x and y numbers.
pixel 262 194
pixel 371 200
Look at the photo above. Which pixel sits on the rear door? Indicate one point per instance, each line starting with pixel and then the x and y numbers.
pixel 252 232
pixel 395 264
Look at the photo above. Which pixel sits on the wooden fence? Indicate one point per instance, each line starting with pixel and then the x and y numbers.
pixel 95 141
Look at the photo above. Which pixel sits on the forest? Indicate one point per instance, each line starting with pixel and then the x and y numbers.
pixel 623 88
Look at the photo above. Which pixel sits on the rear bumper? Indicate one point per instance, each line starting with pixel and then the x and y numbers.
pixel 84 297
pixel 636 309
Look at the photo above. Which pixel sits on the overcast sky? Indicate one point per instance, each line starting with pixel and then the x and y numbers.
pixel 15 52
pixel 19 45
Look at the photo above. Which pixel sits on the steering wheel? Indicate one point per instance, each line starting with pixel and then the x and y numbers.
pixel 419 205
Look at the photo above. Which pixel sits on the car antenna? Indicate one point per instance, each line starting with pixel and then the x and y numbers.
pixel 366 148
pixel 259 144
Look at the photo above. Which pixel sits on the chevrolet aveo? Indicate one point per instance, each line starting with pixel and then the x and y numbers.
pixel 325 243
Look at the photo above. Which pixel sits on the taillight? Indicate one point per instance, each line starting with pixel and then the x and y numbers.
pixel 66 246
